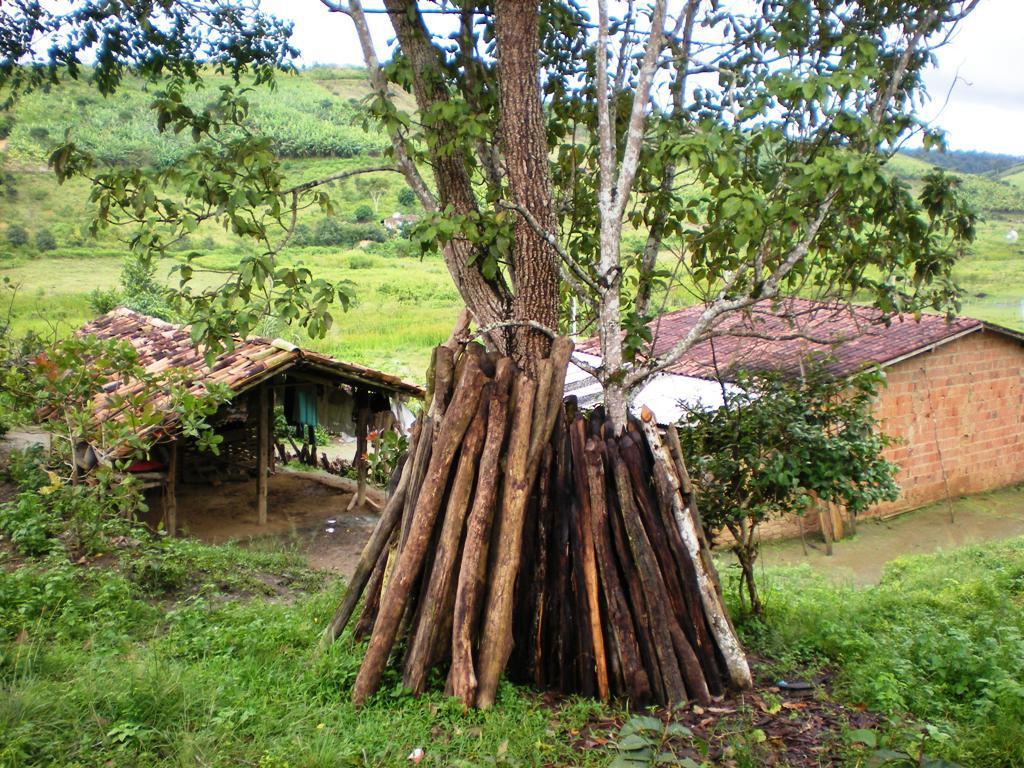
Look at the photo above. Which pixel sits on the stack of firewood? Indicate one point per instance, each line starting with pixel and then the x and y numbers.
pixel 525 538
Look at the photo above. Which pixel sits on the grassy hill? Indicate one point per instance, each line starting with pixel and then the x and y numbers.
pixel 404 305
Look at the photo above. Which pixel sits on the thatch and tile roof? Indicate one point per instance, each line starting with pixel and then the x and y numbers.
pixel 782 336
pixel 161 346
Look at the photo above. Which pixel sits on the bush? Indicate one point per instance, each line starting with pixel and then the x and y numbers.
pixel 362 262
pixel 330 231
pixel 102 301
pixel 45 241
pixel 17 236
pixel 406 197
pixel 362 214
pixel 301 235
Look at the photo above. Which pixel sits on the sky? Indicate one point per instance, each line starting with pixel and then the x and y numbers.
pixel 977 91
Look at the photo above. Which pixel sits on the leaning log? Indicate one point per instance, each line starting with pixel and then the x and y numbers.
pixel 460 411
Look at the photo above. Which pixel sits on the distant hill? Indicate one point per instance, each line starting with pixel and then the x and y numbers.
pixel 966 161
pixel 315 113
pixel 988 193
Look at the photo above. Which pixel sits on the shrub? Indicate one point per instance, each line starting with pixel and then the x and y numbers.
pixel 362 214
pixel 406 197
pixel 45 241
pixel 362 262
pixel 17 236
pixel 6 124
pixel 330 231
pixel 302 235
pixel 102 301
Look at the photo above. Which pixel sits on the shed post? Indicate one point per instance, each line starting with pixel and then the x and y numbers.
pixel 362 463
pixel 170 492
pixel 262 455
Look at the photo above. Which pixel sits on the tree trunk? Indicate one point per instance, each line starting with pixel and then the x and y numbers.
pixel 524 143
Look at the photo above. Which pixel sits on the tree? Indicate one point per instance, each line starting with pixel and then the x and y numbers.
pixel 373 187
pixel 778 446
pixel 362 214
pixel 748 142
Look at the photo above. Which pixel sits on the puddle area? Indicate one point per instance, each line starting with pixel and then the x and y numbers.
pixel 304 513
pixel 861 558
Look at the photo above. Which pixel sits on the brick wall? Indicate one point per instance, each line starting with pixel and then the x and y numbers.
pixel 959 408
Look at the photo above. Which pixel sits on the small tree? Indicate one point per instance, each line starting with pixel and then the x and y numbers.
pixel 373 187
pixel 776 444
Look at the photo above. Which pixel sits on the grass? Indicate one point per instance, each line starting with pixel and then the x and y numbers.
pixel 212 678
pixel 939 641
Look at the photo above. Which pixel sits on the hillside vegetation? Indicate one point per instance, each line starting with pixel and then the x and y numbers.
pixel 404 304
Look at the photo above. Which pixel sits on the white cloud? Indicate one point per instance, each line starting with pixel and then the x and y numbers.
pixel 978 71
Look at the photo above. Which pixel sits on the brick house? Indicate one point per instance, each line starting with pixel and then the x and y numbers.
pixel 954 397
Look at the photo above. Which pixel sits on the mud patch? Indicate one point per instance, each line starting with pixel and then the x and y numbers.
pixel 302 513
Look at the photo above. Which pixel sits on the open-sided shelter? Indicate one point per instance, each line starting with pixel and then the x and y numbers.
pixel 314 388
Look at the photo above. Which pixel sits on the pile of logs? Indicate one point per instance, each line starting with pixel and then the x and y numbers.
pixel 525 538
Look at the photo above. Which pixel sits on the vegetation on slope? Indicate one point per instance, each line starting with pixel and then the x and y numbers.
pixel 965 161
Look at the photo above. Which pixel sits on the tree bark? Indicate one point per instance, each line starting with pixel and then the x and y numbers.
pixel 524 142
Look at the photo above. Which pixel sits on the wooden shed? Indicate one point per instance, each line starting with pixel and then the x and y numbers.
pixel 261 373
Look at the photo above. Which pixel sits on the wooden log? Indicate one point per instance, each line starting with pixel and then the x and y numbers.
pixel 496 632
pixel 725 636
pixel 631 580
pixel 654 592
pixel 536 606
pixel 442 576
pixel 372 550
pixel 443 363
pixel 420 461
pixel 630 665
pixel 458 415
pixel 588 560
pixel 561 635
pixel 685 626
pixel 693 619
pixel 372 592
pixel 462 680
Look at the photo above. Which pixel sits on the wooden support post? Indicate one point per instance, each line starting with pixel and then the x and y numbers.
pixel 362 462
pixel 263 455
pixel 170 495
pixel 270 422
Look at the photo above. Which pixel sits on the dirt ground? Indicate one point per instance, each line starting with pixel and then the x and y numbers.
pixel 304 510
pixel 861 559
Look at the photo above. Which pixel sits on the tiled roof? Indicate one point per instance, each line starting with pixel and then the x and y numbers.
pixel 781 336
pixel 161 345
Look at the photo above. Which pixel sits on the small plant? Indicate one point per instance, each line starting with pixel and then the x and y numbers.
pixel 646 741
pixel 386 448
pixel 102 300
